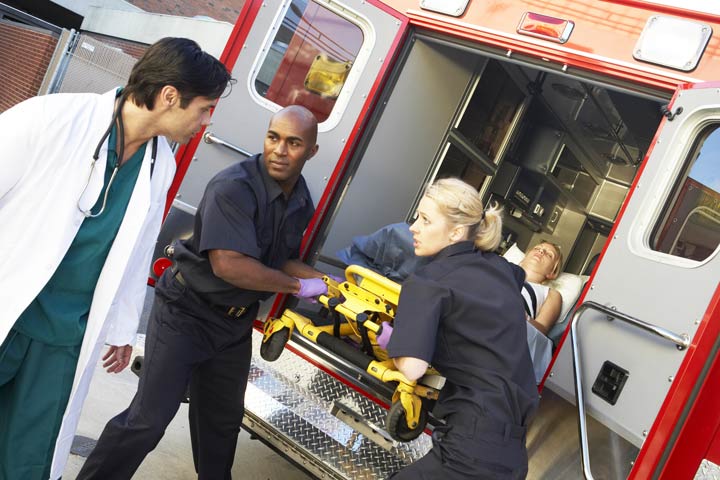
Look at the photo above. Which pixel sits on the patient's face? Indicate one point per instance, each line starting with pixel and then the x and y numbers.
pixel 431 230
pixel 542 258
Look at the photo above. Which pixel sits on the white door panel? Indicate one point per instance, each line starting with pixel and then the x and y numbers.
pixel 665 290
pixel 242 118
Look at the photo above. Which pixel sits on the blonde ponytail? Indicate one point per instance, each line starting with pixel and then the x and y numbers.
pixel 489 231
pixel 461 204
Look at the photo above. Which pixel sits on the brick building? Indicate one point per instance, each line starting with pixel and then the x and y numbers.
pixel 30 32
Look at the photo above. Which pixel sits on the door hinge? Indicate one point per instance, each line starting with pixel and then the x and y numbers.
pixel 669 114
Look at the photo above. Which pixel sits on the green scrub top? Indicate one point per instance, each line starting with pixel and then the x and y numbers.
pixel 59 313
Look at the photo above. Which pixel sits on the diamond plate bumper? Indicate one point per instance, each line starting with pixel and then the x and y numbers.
pixel 297 408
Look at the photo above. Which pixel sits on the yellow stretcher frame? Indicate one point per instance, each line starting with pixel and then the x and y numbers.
pixel 365 298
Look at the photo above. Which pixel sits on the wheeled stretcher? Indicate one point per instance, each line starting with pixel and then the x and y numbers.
pixel 357 307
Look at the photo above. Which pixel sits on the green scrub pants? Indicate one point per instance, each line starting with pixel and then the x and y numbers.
pixel 35 384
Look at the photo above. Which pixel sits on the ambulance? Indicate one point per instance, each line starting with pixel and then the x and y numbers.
pixel 594 123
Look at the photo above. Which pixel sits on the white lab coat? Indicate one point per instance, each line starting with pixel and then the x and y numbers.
pixel 46 147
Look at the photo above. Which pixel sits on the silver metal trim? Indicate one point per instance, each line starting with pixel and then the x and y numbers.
pixel 287 447
pixel 360 425
pixel 681 342
pixel 208 137
pixel 294 406
pixel 184 207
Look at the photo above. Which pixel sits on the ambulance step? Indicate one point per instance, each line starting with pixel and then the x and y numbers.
pixel 308 416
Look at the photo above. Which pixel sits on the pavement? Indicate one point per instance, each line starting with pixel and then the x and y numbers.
pixel 172 459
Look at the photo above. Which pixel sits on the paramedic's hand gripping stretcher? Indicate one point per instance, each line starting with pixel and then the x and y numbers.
pixel 358 307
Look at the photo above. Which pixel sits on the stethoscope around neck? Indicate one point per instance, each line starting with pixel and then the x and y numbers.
pixel 117 117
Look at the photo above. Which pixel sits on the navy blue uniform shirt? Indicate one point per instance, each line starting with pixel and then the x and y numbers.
pixel 243 210
pixel 463 313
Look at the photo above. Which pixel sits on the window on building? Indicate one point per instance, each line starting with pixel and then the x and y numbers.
pixel 309 59
pixel 691 225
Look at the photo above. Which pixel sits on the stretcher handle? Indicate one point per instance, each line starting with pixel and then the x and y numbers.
pixel 371 276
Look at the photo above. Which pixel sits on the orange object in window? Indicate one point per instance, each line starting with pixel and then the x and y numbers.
pixel 316 33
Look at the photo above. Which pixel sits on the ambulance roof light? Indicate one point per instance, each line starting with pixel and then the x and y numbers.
pixel 545 27
pixel 453 8
pixel 672 42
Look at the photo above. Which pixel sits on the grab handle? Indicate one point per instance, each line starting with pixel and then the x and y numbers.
pixel 208 137
pixel 681 343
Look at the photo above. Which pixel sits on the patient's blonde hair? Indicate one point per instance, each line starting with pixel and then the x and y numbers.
pixel 558 254
pixel 462 205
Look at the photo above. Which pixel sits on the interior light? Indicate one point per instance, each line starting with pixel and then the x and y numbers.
pixel 672 42
pixel 545 27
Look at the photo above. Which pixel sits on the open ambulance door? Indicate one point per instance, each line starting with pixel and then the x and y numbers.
pixel 331 57
pixel 641 357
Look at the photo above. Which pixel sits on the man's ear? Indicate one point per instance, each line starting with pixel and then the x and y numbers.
pixel 313 151
pixel 169 96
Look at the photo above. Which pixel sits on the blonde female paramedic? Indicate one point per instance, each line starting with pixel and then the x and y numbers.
pixel 463 313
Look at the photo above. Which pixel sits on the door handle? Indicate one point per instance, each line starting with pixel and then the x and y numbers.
pixel 681 341
pixel 208 137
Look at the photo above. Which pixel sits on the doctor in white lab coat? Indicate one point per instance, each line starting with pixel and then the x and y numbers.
pixel 48 192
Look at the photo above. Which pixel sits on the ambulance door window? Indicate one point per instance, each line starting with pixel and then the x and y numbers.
pixel 309 59
pixel 691 226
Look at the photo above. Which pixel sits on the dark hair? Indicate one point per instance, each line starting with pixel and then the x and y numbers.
pixel 181 63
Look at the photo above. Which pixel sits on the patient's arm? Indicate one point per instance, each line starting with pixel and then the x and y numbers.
pixel 549 312
pixel 412 368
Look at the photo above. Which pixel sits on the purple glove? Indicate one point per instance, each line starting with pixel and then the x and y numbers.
pixel 384 336
pixel 311 287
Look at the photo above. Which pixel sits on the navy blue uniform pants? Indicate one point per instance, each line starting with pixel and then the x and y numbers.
pixel 187 341
pixel 478 448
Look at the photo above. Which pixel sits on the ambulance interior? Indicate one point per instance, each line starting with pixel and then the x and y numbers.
pixel 559 151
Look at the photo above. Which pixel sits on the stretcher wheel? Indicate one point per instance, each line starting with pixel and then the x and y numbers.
pixel 271 348
pixel 396 424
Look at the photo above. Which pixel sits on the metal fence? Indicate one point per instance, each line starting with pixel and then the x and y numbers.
pixel 88 65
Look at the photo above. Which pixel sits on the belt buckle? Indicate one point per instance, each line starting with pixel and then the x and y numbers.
pixel 236 312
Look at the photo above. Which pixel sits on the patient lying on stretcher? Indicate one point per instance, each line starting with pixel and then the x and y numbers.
pixel 389 251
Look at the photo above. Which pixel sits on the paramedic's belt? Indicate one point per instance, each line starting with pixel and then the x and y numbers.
pixel 224 309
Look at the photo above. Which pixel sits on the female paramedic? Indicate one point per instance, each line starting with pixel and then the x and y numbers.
pixel 463 313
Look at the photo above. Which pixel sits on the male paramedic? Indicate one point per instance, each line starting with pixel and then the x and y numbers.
pixel 83 184
pixel 244 248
